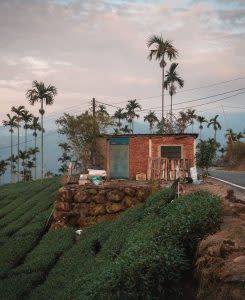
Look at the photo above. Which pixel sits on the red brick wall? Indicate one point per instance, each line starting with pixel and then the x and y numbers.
pixel 138 155
pixel 139 151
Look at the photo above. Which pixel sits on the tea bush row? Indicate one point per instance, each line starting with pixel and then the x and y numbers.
pixel 143 255
pixel 19 197
pixel 37 264
pixel 26 204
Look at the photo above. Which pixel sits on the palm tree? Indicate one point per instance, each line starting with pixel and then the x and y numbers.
pixel 191 113
pixel 161 49
pixel 120 115
pixel 35 126
pixel 29 165
pixel 151 118
pixel 215 124
pixel 3 168
pixel 18 112
pixel 131 113
pixel 172 77
pixel 11 123
pixel 126 129
pixel 27 118
pixel 182 122
pixel 44 95
pixel 13 158
pixel 230 135
pixel 201 120
pixel 33 152
pixel 23 155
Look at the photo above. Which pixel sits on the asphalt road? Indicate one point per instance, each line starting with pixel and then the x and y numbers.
pixel 230 176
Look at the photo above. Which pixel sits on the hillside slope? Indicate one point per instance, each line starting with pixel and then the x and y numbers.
pixel 146 253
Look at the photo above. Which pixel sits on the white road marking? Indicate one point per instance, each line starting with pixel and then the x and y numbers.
pixel 230 183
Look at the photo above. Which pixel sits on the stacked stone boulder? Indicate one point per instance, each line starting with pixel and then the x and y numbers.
pixel 82 206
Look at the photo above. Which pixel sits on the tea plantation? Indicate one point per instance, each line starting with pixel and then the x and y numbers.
pixel 146 254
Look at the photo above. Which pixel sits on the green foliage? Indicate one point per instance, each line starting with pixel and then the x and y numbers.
pixel 142 255
pixel 205 155
pixel 235 153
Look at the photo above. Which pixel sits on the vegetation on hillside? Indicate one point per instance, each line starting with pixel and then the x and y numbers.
pixel 144 254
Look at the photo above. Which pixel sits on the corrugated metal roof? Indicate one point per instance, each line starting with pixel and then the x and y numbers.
pixel 195 135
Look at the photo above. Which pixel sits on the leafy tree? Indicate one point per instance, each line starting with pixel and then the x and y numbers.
pixel 18 112
pixel 215 124
pixel 152 119
pixel 12 123
pixel 65 147
pixel 81 132
pixel 44 95
pixel 161 50
pixel 201 120
pixel 204 156
pixel 65 158
pixel 63 169
pixel 131 108
pixel 172 77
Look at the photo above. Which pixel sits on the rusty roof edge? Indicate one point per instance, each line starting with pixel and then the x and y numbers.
pixel 195 135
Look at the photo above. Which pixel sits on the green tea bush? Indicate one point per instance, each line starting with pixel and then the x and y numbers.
pixel 144 254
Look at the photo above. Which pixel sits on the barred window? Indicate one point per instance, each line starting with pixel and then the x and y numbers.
pixel 171 152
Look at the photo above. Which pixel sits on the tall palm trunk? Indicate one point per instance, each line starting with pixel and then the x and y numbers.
pixel 42 139
pixel 215 133
pixel 25 137
pixel 18 150
pixel 35 171
pixel 11 153
pixel 163 89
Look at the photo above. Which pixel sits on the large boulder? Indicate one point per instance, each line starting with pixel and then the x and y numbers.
pixel 112 208
pixel 115 196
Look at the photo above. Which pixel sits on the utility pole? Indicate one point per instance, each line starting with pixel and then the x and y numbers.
pixel 94 133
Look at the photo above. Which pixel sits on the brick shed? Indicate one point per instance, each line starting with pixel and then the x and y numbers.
pixel 124 156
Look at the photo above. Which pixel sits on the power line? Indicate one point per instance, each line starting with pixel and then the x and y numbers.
pixel 198 99
pixel 187 90
pixel 211 101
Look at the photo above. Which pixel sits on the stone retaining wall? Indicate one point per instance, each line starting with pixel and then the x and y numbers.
pixel 83 206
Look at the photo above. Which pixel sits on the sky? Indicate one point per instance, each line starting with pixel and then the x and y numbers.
pixel 97 48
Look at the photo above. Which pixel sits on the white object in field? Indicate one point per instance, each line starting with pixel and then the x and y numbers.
pixel 177 169
pixel 92 172
pixel 141 176
pixel 193 172
pixel 79 231
pixel 83 176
